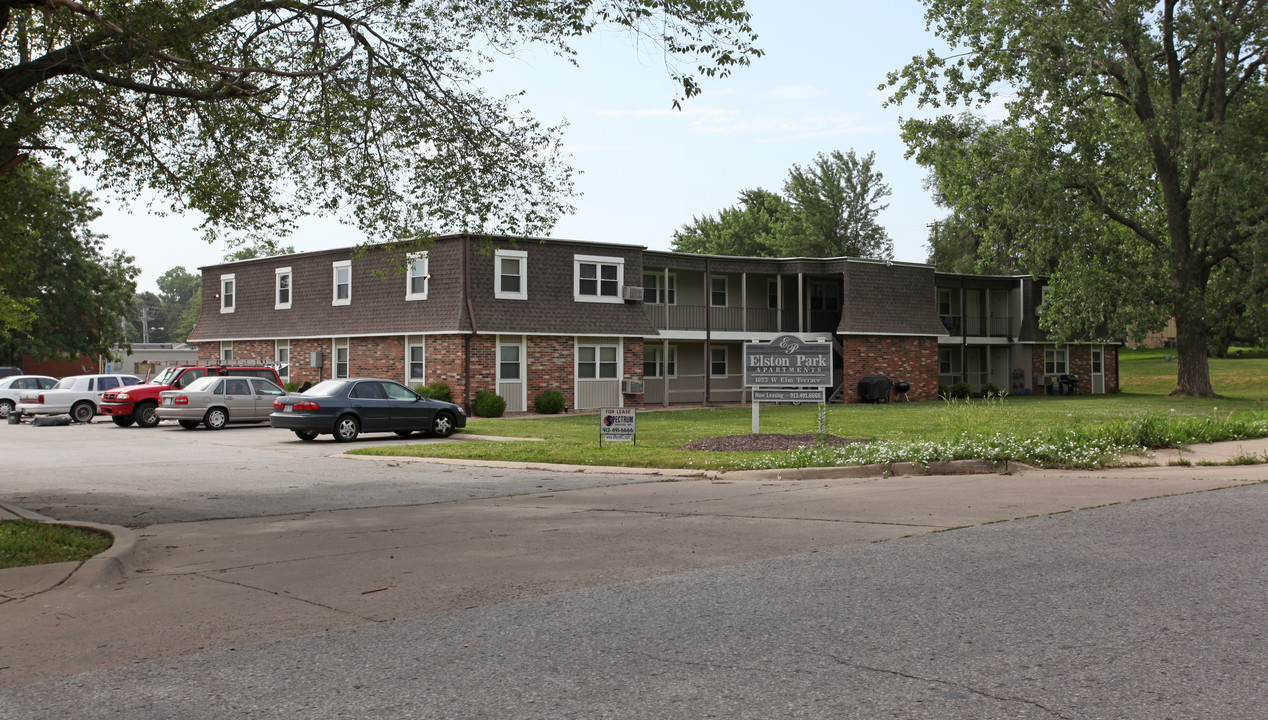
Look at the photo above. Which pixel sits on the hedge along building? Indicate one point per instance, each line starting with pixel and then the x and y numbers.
pixel 606 325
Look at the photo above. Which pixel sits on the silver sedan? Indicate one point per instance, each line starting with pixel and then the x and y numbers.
pixel 216 401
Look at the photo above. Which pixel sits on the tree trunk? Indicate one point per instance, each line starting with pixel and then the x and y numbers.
pixel 1193 372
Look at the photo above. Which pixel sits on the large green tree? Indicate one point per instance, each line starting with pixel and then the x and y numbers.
pixel 65 297
pixel 1132 152
pixel 828 209
pixel 257 112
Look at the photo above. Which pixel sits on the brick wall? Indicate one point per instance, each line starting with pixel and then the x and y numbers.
pixel 550 367
pixel 910 359
pixel 633 368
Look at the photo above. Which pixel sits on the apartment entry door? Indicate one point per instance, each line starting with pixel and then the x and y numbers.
pixel 1098 371
pixel 511 372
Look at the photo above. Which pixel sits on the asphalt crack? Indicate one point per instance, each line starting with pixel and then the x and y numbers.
pixel 285 596
pixel 956 686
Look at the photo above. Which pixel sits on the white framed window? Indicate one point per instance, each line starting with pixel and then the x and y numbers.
pixel 282 289
pixel 658 291
pixel 340 354
pixel 510 274
pixel 657 365
pixel 772 294
pixel 282 356
pixel 228 293
pixel 342 290
pixel 945 361
pixel 717 291
pixel 597 279
pixel 415 360
pixel 597 362
pixel 226 351
pixel 1056 360
pixel 417 277
pixel 509 356
pixel 717 361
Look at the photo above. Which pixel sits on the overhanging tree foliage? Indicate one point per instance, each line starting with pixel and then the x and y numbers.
pixel 1132 154
pixel 257 112
pixel 828 209
pixel 65 297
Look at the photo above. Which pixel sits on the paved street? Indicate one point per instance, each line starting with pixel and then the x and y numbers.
pixel 618 597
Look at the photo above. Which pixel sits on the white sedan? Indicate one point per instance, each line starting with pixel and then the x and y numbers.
pixel 13 385
pixel 77 395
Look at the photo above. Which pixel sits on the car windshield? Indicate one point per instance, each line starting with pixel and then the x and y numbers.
pixel 165 377
pixel 326 387
pixel 203 384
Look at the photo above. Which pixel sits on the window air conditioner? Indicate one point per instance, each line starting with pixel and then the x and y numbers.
pixel 631 292
pixel 632 387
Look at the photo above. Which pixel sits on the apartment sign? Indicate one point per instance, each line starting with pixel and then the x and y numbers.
pixel 788 361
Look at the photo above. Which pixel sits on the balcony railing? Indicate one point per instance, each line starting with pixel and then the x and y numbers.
pixel 978 325
pixel 692 317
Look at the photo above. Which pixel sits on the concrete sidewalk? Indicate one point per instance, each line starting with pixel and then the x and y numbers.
pixel 182 588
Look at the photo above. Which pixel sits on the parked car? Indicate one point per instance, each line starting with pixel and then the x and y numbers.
pixel 12 386
pixel 78 395
pixel 138 404
pixel 216 401
pixel 347 408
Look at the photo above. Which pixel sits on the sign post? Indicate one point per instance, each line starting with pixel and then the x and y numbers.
pixel 617 425
pixel 784 367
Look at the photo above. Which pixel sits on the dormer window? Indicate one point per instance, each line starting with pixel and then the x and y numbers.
pixel 510 274
pixel 342 292
pixel 418 277
pixel 228 296
pixel 282 289
pixel 598 279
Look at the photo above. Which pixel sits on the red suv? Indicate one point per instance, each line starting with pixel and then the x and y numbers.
pixel 137 403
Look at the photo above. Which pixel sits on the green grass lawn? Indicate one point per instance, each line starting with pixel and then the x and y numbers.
pixel 1146 378
pixel 26 542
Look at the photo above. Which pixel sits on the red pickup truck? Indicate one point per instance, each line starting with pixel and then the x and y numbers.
pixel 136 403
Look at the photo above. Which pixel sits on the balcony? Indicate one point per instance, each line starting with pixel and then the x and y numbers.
pixel 978 325
pixel 720 319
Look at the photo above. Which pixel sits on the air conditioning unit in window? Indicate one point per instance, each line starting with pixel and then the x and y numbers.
pixel 632 387
pixel 631 292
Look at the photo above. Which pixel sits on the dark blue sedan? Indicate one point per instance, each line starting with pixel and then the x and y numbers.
pixel 346 408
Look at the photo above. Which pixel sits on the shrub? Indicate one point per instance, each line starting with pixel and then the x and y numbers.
pixel 944 391
pixel 961 390
pixel 435 391
pixel 292 386
pixel 549 402
pixel 991 390
pixel 489 404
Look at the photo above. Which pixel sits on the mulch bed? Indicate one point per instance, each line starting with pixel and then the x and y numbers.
pixel 765 442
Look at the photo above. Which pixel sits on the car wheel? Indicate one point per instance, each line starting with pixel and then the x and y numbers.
pixel 189 424
pixel 122 420
pixel 6 407
pixel 442 425
pixel 146 415
pixel 306 435
pixel 347 428
pixel 216 418
pixel 82 411
pixel 404 433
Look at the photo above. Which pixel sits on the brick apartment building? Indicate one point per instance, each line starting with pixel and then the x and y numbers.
pixel 618 325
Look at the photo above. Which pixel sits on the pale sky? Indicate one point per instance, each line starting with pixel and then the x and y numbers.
pixel 647 169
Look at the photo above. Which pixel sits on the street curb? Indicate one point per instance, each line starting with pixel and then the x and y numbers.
pixel 105 568
pixel 950 467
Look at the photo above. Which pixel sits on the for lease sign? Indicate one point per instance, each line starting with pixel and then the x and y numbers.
pixel 788 361
pixel 616 424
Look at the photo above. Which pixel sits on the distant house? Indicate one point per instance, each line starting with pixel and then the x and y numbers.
pixel 146 359
pixel 620 325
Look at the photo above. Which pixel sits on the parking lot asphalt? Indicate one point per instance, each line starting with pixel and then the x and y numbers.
pixel 189 587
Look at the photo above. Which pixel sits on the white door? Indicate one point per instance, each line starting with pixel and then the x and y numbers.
pixel 510 380
pixel 1098 370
